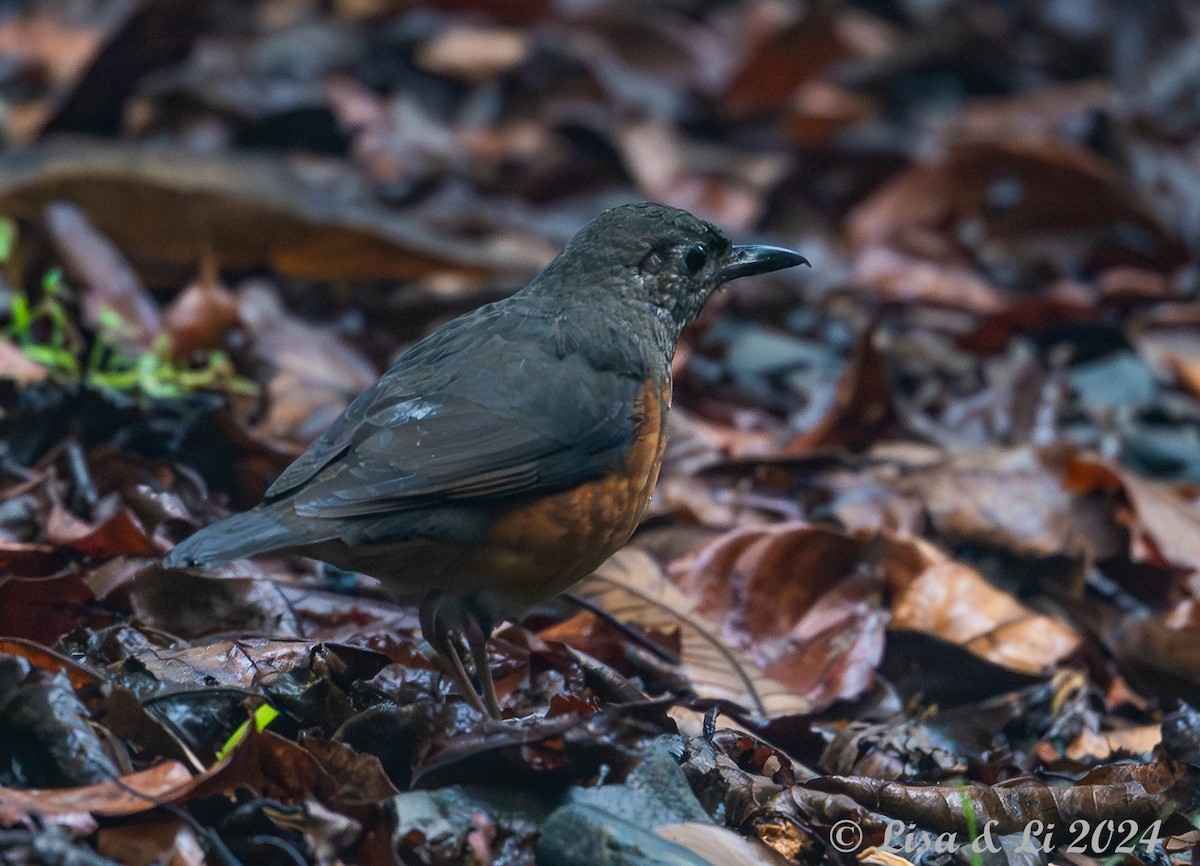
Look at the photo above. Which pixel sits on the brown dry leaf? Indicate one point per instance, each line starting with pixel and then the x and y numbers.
pixel 146 37
pixel 1150 645
pixel 953 601
pixel 761 580
pixel 873 856
pixel 166 840
pixel 214 604
pixel 720 846
pixel 109 282
pixel 1047 181
pixel 1167 530
pixel 473 53
pixel 315 374
pixel 361 776
pixel 959 808
pixel 994 331
pixel 82 680
pixel 43 609
pixel 792 599
pixel 165 208
pixel 104 799
pixel 1107 745
pixel 633 588
pixel 715 182
pixel 860 406
pixel 203 314
pixel 1012 500
pixel 942 192
pixel 904 279
pixel 1171 346
pixel 246 663
pixel 1133 285
pixel 17 367
pixel 29 559
pixel 1172 523
pixel 820 109
pixel 695 442
pixel 58 47
pixel 1047 114
pixel 840 643
pixel 120 535
pixel 270 766
pixel 783 61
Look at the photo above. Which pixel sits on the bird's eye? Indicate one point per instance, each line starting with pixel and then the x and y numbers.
pixel 695 258
pixel 652 263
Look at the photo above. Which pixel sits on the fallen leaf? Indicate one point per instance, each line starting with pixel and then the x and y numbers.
pixel 109 282
pixel 1012 500
pixel 633 588
pixel 165 208
pixel 202 315
pixel 790 597
pixel 1169 524
pixel 18 367
pixel 720 846
pixel 1138 741
pixel 165 840
pixel 953 601
pixel 1014 189
pixel 860 407
pixel 314 376
pixel 132 794
pixel 474 53
pixel 782 61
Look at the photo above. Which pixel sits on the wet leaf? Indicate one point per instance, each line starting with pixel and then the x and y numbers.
pixel 202 315
pixel 43 609
pixel 1013 188
pixel 791 597
pixel 19 367
pixel 109 282
pixel 165 209
pixel 943 809
pixel 953 601
pixel 1014 501
pixel 315 374
pixel 134 793
pixel 860 406
pixel 634 589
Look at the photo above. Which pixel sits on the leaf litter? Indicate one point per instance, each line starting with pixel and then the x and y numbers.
pixel 924 550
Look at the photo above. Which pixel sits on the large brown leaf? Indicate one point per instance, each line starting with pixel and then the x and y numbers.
pixel 633 588
pixel 164 208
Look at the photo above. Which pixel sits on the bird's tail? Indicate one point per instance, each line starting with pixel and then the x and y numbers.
pixel 234 537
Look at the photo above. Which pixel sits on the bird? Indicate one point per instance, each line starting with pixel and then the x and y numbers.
pixel 508 453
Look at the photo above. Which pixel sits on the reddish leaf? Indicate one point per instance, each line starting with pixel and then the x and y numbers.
pixel 43 609
pixel 137 792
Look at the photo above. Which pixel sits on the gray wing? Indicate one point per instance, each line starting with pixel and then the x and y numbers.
pixel 490 406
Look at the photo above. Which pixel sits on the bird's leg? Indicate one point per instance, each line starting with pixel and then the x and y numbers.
pixel 477 640
pixel 438 633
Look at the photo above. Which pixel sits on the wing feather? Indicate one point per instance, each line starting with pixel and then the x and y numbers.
pixel 535 420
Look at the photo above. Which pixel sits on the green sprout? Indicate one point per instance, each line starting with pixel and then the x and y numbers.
pixel 8 239
pixel 263 716
pixel 55 350
pixel 154 374
pixel 43 332
pixel 973 856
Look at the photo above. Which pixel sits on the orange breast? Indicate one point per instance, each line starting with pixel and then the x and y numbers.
pixel 543 547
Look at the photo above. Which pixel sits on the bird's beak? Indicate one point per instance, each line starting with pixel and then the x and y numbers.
pixel 745 261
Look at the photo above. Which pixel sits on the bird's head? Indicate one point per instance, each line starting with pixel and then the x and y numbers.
pixel 660 256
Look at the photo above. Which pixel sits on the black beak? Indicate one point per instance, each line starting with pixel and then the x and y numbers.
pixel 746 261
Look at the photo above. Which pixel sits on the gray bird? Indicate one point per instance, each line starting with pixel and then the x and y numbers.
pixel 511 451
